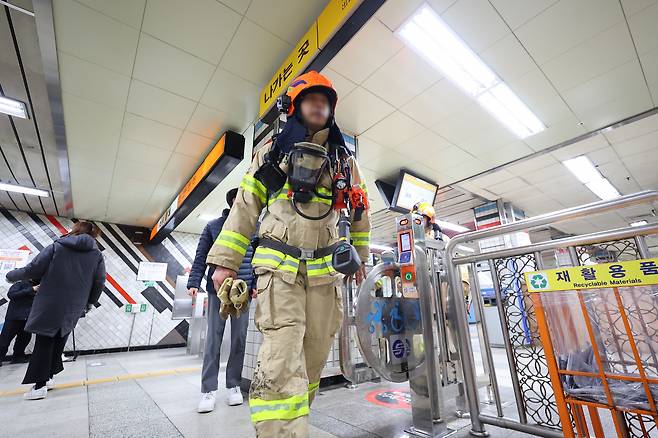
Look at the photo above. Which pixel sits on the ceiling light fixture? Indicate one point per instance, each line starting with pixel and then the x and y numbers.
pixel 453 227
pixel 13 107
pixel 588 174
pixel 638 223
pixel 24 190
pixel 465 248
pixel 207 217
pixel 427 34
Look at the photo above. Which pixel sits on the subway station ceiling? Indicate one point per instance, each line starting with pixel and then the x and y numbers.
pixel 153 84
pixel 29 152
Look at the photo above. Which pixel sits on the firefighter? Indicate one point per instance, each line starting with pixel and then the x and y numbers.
pixel 299 183
pixel 432 229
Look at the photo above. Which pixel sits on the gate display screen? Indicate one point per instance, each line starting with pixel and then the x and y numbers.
pixel 405 242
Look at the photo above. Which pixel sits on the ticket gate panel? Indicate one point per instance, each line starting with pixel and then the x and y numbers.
pixel 396 329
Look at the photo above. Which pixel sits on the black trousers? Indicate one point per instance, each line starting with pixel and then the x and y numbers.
pixel 46 359
pixel 11 329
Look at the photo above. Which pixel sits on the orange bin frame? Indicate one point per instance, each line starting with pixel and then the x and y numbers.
pixel 566 403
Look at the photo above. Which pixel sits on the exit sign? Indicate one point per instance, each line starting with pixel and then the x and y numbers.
pixel 135 308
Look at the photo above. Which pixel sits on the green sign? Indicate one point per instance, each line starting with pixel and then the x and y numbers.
pixel 149 283
pixel 129 308
pixel 142 307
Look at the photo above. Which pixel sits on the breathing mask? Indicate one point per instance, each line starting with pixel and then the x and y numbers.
pixel 306 164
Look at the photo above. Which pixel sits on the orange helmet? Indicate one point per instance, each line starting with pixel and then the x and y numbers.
pixel 311 81
pixel 425 209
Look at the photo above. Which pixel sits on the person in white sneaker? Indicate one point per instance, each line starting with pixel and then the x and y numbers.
pixel 71 276
pixel 215 333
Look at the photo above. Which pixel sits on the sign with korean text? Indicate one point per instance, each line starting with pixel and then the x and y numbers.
pixel 152 271
pixel 604 275
pixel 318 35
pixel 205 167
pixel 12 259
pixel 295 63
pixel 333 17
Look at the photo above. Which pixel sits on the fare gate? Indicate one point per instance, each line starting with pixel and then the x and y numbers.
pixel 397 310
pixel 412 327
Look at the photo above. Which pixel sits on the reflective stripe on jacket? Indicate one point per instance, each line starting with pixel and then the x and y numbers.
pixel 280 222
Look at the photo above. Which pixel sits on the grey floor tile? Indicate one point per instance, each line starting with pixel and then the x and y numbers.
pixel 212 426
pixel 160 428
pixel 337 428
pixel 52 428
pixel 104 408
pixel 114 391
pixel 314 432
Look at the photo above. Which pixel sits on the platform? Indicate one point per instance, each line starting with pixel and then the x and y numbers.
pixel 155 393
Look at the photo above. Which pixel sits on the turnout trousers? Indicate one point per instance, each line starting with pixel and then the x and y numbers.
pixel 298 323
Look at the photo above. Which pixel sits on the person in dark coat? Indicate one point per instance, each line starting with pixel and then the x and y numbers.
pixel 216 324
pixel 20 296
pixel 72 273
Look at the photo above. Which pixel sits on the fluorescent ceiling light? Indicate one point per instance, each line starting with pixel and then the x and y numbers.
pixel 13 107
pixel 380 247
pixel 638 223
pixel 427 34
pixel 451 226
pixel 588 174
pixel 24 190
pixel 207 217
pixel 583 169
pixel 465 248
pixel 603 189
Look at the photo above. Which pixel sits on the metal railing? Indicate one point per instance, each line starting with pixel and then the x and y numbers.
pixel 530 254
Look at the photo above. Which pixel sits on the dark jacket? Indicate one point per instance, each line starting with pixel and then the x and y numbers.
pixel 20 297
pixel 199 267
pixel 72 273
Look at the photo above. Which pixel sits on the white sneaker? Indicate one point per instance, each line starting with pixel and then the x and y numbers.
pixel 50 384
pixel 36 394
pixel 234 397
pixel 207 403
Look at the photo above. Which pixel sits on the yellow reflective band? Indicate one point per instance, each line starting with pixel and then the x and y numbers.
pixel 235 235
pixel 285 409
pixel 240 250
pixel 360 238
pixel 283 195
pixel 321 266
pixel 275 259
pixel 235 241
pixel 313 386
pixel 252 185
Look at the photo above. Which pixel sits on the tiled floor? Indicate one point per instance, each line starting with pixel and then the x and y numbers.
pixel 165 405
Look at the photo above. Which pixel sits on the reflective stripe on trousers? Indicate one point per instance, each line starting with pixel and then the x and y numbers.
pixel 286 409
pixel 298 323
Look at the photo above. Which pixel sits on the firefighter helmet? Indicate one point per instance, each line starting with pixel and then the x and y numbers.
pixel 311 81
pixel 425 209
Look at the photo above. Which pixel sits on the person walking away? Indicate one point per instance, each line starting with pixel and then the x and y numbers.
pixel 72 273
pixel 20 296
pixel 216 324
pixel 296 183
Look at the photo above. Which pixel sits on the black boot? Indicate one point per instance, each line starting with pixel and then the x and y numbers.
pixel 20 359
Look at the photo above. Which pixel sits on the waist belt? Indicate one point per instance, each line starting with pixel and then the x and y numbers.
pixel 298 253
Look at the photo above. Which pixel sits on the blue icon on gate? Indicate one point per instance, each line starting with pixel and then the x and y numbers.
pixel 398 349
pixel 374 318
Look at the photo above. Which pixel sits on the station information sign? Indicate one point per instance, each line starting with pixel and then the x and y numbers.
pixel 316 37
pixel 222 158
